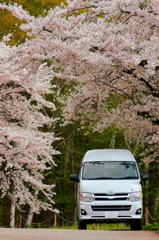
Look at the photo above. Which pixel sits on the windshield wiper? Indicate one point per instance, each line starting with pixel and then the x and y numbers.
pixel 111 178
pixel 98 178
pixel 128 177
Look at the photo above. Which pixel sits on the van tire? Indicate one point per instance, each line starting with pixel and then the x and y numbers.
pixel 82 225
pixel 136 225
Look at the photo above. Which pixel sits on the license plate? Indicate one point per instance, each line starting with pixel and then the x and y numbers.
pixel 111 215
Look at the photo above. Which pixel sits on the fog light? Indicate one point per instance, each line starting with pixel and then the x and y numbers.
pixel 138 212
pixel 83 212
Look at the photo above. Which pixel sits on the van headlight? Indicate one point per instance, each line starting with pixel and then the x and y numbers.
pixel 86 197
pixel 135 196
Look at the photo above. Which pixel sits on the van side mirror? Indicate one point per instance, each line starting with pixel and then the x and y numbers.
pixel 74 177
pixel 144 176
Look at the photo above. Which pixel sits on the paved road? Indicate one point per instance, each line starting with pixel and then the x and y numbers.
pixel 58 234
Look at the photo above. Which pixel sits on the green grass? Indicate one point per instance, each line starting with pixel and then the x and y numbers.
pixel 154 226
pixel 120 226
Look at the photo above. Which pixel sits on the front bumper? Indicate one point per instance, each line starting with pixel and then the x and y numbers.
pixel 110 212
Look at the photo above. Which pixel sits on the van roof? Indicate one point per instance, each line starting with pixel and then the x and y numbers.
pixel 108 155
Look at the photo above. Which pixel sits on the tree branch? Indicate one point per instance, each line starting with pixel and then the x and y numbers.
pixel 150 87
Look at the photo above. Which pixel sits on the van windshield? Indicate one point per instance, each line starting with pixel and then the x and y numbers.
pixel 109 170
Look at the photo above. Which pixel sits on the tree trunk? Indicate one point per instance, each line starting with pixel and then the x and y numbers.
pixel 12 212
pixel 29 217
pixel 67 156
pixel 153 190
pixel 31 212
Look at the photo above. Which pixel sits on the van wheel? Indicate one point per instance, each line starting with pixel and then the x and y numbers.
pixel 82 225
pixel 136 225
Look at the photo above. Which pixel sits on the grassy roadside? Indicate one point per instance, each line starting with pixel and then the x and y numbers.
pixel 153 227
pixel 119 226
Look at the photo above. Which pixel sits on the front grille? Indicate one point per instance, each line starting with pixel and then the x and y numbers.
pixel 111 197
pixel 111 208
pixel 106 194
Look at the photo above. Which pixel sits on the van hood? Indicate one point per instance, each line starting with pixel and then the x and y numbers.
pixel 110 186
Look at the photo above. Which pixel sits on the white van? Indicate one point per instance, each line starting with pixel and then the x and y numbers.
pixel 109 188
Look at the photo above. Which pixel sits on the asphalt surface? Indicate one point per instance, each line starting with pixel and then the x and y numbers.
pixel 63 234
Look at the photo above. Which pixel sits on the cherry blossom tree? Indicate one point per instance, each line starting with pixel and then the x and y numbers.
pixel 102 48
pixel 26 152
